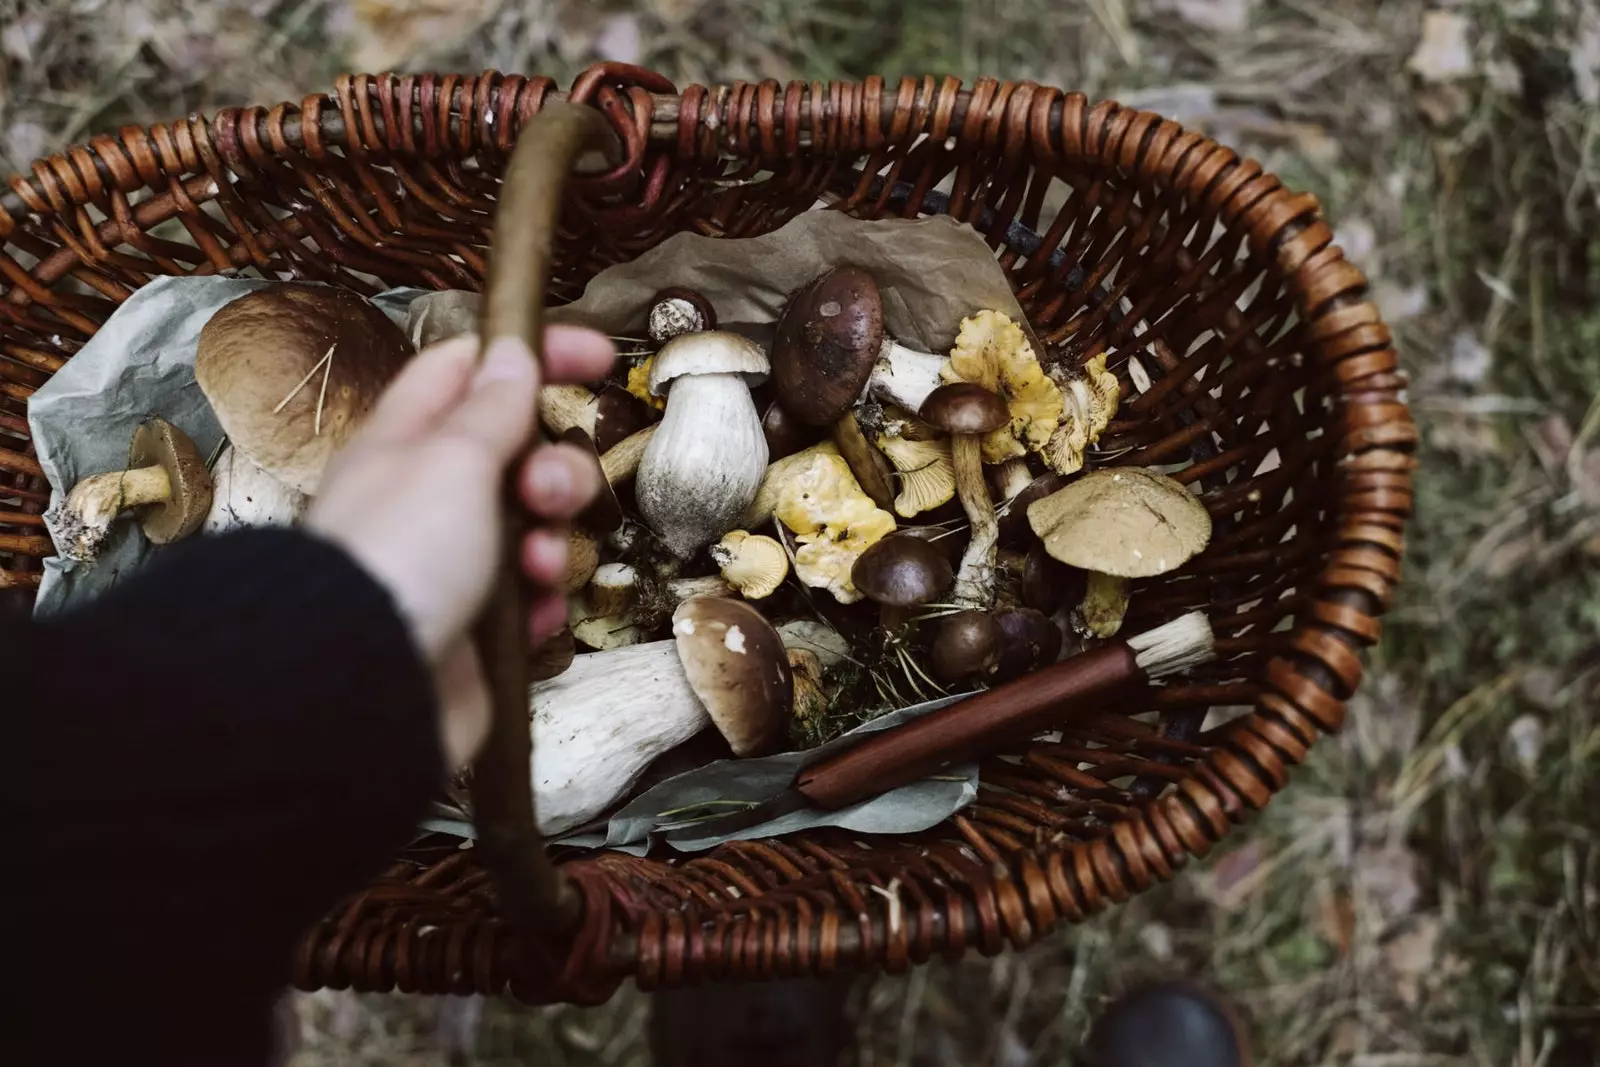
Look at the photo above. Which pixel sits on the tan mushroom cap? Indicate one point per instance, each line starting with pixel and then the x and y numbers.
pixel 263 363
pixel 158 443
pixel 708 352
pixel 737 665
pixel 1123 521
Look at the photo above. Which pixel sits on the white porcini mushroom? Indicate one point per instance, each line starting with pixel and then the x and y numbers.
pixel 244 495
pixel 724 666
pixel 706 459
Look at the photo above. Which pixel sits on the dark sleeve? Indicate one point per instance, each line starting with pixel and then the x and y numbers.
pixel 211 756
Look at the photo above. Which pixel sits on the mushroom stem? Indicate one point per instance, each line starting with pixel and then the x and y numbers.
pixel 1013 476
pixel 975 577
pixel 94 503
pixel 904 375
pixel 590 746
pixel 563 407
pixel 1105 602
pixel 621 461
pixel 865 461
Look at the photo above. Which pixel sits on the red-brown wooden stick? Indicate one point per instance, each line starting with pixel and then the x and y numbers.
pixel 983 723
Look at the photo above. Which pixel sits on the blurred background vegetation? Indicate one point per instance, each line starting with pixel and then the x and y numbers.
pixel 1425 894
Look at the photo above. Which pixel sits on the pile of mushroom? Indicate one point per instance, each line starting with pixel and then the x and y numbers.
pixel 804 523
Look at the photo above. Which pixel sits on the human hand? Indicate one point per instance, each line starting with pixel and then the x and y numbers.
pixel 415 499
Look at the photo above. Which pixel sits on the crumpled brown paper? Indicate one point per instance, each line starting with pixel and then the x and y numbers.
pixel 933 273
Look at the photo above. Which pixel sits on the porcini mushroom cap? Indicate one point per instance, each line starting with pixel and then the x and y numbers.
pixel 902 571
pixel 827 344
pixel 963 408
pixel 158 443
pixel 707 352
pixel 264 364
pixel 1123 521
pixel 737 665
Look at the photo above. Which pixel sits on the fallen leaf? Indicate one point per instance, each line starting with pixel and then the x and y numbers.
pixel 618 40
pixel 1411 955
pixel 1218 16
pixel 1443 54
pixel 1470 359
pixel 1584 58
pixel 1525 738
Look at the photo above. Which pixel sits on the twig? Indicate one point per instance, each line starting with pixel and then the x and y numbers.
pixel 327 372
pixel 216 453
pixel 302 383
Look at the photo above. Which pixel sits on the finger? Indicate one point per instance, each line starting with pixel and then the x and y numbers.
pixel 558 481
pixel 463 702
pixel 432 383
pixel 547 616
pixel 576 354
pixel 544 556
pixel 498 409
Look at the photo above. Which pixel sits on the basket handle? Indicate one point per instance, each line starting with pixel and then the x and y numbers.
pixel 560 137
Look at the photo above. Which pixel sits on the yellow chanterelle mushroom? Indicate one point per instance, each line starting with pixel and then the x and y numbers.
pixel 992 351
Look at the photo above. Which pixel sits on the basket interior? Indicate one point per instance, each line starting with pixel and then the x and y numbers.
pixel 1234 327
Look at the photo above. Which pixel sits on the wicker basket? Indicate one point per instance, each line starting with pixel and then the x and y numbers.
pixel 1120 231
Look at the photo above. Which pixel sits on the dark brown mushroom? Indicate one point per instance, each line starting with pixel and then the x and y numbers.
pixel 737 665
pixel 785 434
pixel 901 573
pixel 618 415
pixel 1012 513
pixel 1047 583
pixel 1030 640
pixel 966 644
pixel 827 344
pixel 966 412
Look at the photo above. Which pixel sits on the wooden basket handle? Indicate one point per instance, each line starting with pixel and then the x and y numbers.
pixel 561 137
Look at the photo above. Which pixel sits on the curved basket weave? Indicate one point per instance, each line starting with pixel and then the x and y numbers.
pixel 1271 376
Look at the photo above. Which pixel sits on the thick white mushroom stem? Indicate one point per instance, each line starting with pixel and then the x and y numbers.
pixel 974 586
pixel 589 747
pixel 621 461
pixel 94 502
pixel 704 464
pixel 904 375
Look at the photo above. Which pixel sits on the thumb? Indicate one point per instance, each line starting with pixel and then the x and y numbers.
pixel 502 400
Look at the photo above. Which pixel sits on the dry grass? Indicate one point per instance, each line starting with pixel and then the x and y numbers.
pixel 1426 893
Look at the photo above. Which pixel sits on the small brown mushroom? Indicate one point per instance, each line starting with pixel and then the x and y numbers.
pixel 966 644
pixel 166 479
pixel 1047 583
pixel 1029 641
pixel 1120 523
pixel 901 573
pixel 785 434
pixel 966 412
pixel 737 665
pixel 292 371
pixel 1018 489
pixel 677 311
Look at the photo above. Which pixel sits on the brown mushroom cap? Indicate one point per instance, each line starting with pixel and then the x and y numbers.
pixel 158 443
pixel 964 408
pixel 827 344
pixel 1122 521
pixel 1029 640
pixel 967 643
pixel 1047 583
pixel 902 571
pixel 1014 528
pixel 263 364
pixel 618 415
pixel 604 512
pixel 737 665
pixel 785 434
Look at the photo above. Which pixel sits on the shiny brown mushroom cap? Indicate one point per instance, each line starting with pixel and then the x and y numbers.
pixel 902 571
pixel 967 643
pixel 158 443
pixel 1122 521
pixel 827 344
pixel 1029 640
pixel 964 408
pixel 737 665
pixel 292 370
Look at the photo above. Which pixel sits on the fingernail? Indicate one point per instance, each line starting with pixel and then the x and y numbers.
pixel 507 360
